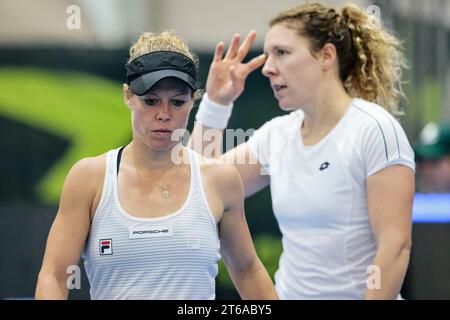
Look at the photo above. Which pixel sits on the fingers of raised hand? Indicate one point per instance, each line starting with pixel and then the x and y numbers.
pixel 243 70
pixel 219 52
pixel 232 50
pixel 256 62
pixel 245 46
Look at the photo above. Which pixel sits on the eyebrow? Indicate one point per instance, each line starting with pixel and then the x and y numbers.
pixel 276 47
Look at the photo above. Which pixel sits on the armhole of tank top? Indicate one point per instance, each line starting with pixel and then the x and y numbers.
pixel 110 157
pixel 198 173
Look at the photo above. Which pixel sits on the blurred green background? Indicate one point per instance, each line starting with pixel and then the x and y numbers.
pixel 61 100
pixel 65 113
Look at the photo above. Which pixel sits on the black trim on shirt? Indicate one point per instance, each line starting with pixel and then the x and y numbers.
pixel 396 138
pixel 119 158
pixel 381 129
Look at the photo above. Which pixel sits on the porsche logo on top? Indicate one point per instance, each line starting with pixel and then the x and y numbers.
pixel 106 247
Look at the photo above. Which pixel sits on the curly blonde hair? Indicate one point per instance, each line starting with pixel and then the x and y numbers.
pixel 370 57
pixel 164 41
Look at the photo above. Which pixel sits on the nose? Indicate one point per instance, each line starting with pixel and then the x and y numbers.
pixel 164 113
pixel 268 68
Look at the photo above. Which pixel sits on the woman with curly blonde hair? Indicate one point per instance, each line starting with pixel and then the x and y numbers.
pixel 339 166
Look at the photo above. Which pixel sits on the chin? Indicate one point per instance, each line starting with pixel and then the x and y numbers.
pixel 286 107
pixel 163 147
pixel 160 145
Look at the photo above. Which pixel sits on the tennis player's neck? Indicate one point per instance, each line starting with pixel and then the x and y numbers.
pixel 149 160
pixel 320 119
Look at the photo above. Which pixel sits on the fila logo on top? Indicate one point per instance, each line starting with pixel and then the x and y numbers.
pixel 105 247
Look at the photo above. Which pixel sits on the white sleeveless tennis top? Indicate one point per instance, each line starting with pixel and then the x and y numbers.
pixel 170 257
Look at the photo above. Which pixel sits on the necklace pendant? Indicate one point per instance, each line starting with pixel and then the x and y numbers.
pixel 166 194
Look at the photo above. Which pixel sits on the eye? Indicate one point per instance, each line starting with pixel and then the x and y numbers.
pixel 178 102
pixel 281 52
pixel 151 101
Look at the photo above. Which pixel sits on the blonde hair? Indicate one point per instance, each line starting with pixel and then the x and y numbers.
pixel 164 41
pixel 370 57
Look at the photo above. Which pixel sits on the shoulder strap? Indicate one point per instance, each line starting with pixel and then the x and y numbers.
pixel 119 158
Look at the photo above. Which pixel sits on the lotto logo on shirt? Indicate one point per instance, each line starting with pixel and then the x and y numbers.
pixel 106 247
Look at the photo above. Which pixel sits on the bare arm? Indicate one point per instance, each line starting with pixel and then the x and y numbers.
pixel 226 80
pixel 225 83
pixel 248 167
pixel 245 268
pixel 390 199
pixel 68 232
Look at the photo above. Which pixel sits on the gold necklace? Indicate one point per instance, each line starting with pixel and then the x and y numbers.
pixel 165 190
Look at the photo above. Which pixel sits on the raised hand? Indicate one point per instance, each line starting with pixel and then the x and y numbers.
pixel 226 77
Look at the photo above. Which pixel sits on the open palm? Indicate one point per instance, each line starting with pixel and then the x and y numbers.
pixel 226 77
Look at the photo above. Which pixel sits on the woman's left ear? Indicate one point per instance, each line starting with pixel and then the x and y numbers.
pixel 329 56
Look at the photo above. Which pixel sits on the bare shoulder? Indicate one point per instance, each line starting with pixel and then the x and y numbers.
pixel 222 177
pixel 88 169
pixel 85 180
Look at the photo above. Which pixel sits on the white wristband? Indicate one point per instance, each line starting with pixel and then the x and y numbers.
pixel 212 114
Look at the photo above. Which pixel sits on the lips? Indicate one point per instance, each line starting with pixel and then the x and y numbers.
pixel 278 87
pixel 278 90
pixel 162 132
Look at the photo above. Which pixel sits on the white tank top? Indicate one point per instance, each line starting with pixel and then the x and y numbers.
pixel 169 257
